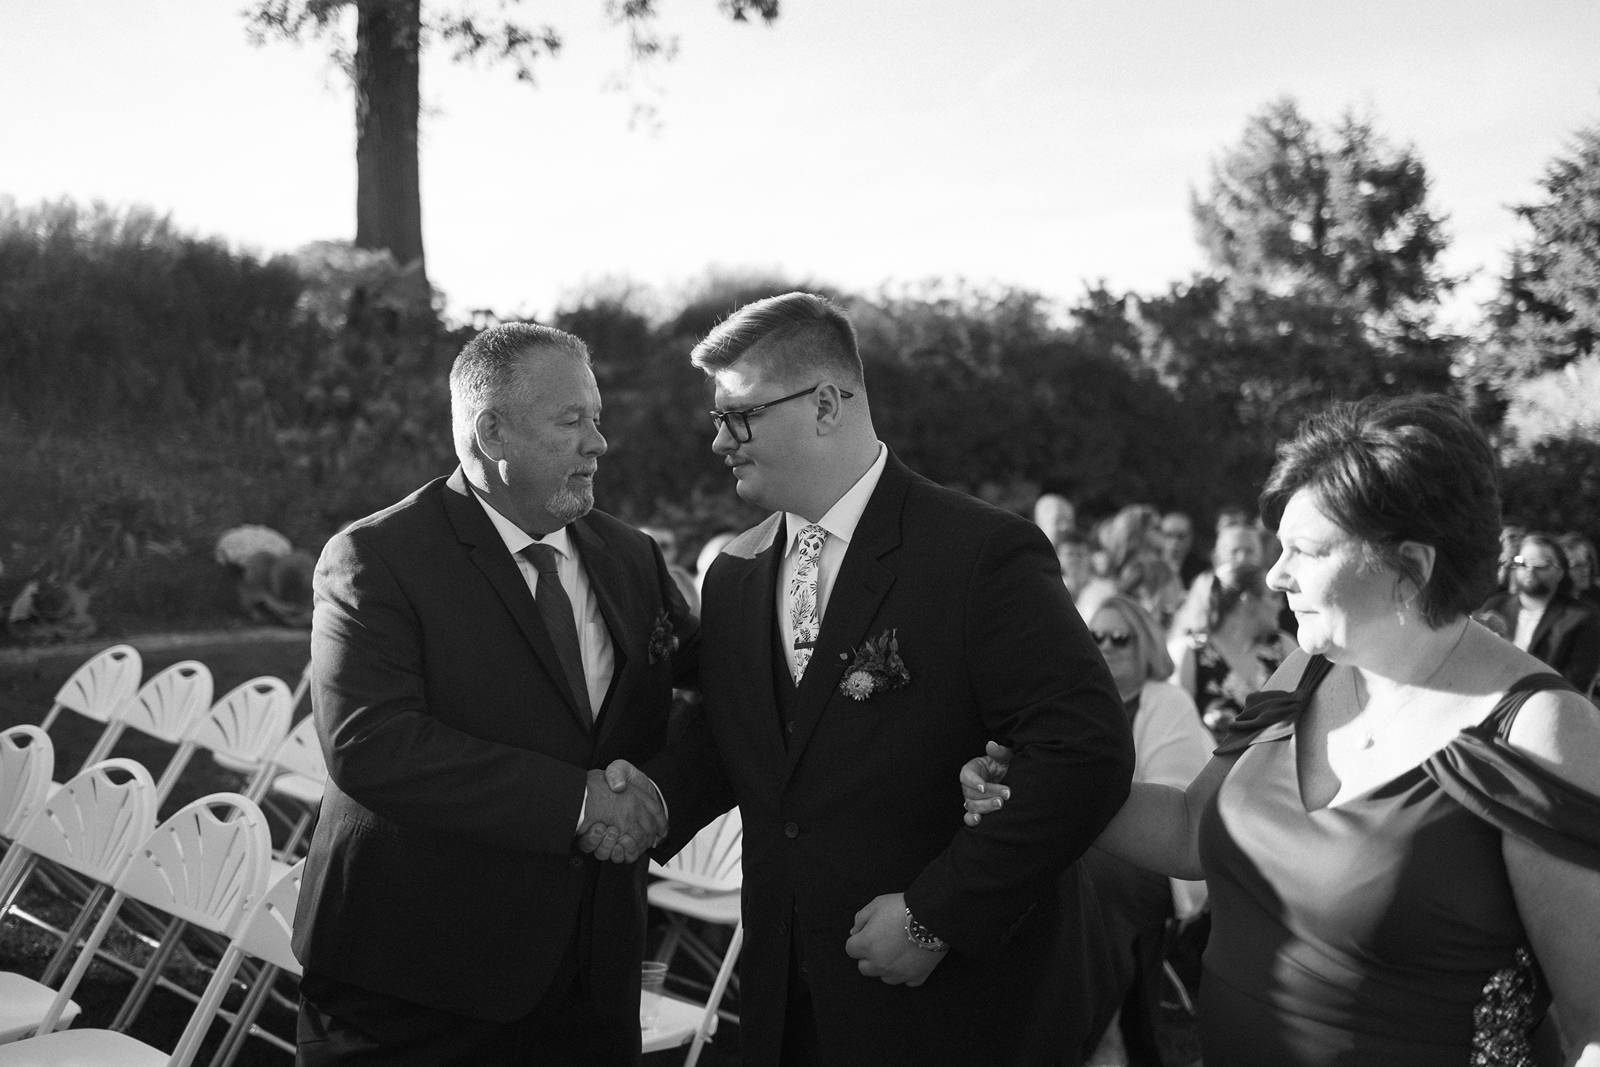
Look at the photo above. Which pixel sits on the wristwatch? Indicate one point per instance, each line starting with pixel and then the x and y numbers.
pixel 921 936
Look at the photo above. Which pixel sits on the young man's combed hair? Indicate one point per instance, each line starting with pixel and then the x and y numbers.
pixel 801 336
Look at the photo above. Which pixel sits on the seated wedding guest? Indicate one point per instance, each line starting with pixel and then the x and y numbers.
pixel 1235 650
pixel 1510 543
pixel 1088 589
pixel 1581 567
pixel 1402 838
pixel 1170 748
pixel 1133 545
pixel 1542 616
pixel 1055 515
pixel 1238 544
pixel 1177 548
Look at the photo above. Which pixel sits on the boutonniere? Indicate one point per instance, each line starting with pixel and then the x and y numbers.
pixel 663 642
pixel 877 667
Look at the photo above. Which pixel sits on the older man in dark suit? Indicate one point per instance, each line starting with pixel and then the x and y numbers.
pixel 858 647
pixel 478 650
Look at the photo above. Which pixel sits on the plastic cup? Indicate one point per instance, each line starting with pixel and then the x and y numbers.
pixel 652 977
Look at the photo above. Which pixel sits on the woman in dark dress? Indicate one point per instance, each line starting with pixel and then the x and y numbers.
pixel 1402 834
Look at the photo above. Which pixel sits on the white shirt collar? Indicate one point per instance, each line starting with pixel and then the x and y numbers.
pixel 516 538
pixel 845 515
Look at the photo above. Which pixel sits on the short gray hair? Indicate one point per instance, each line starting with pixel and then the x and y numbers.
pixel 485 374
pixel 802 336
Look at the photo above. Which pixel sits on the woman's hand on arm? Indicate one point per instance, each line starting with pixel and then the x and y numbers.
pixel 1157 829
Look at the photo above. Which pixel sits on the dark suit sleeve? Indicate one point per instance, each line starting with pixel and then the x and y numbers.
pixel 1042 689
pixel 384 748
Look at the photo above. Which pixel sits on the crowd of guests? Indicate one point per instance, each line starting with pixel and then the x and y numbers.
pixel 1399 828
pixel 1191 636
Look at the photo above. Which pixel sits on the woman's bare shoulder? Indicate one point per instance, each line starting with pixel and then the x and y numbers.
pixel 1560 730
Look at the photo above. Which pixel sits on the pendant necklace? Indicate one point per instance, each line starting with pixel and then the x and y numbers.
pixel 1371 732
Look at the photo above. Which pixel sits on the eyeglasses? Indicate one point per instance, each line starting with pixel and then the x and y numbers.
pixel 1115 640
pixel 737 420
pixel 1522 564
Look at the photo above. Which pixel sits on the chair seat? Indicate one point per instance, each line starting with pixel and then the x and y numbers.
pixel 708 907
pixel 306 790
pixel 23 1003
pixel 82 1048
pixel 675 1024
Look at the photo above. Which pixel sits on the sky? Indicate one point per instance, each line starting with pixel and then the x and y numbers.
pixel 861 143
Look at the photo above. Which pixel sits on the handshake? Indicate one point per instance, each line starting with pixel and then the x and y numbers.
pixel 623 814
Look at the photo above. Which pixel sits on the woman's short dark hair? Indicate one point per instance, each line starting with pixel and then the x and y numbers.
pixel 1388 471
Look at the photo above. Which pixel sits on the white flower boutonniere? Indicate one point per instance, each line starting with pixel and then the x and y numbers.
pixel 876 668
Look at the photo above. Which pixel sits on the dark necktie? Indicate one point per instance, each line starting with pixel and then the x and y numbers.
pixel 556 610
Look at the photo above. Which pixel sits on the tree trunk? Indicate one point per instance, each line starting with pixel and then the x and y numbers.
pixel 388 194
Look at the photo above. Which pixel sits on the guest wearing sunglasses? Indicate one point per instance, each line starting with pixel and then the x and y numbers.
pixel 1170 748
pixel 1541 615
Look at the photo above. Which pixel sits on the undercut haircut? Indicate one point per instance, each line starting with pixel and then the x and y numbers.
pixel 1411 468
pixel 803 339
pixel 487 374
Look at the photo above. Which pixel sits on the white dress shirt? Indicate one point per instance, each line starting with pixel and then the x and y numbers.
pixel 594 640
pixel 840 522
pixel 1527 622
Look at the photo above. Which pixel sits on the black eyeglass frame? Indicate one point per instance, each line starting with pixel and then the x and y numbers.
pixel 734 418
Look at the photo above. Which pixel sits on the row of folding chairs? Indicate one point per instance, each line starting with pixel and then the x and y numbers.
pixel 208 867
pixel 248 730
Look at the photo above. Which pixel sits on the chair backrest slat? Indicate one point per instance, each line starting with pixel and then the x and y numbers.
pixel 202 867
pixel 248 723
pixel 713 859
pixel 27 760
pixel 167 705
pixel 103 682
pixel 301 752
pixel 93 823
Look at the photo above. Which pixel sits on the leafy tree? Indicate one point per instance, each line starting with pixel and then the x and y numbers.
pixel 385 68
pixel 1547 314
pixel 1324 283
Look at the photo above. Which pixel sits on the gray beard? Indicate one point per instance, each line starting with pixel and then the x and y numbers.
pixel 567 505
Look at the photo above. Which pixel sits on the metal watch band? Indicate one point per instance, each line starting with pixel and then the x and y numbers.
pixel 921 936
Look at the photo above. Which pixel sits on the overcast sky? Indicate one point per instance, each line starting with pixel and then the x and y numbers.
pixel 1044 143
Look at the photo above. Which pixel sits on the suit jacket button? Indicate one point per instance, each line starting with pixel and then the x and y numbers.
pixel 791 726
pixel 576 861
pixel 791 830
pixel 783 929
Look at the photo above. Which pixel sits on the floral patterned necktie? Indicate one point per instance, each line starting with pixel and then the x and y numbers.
pixel 803 614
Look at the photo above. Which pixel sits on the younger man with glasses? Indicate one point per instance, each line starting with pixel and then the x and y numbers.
pixel 1542 617
pixel 857 647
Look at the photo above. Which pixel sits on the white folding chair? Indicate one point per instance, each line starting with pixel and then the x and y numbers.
pixel 27 761
pixel 91 825
pixel 701 882
pixel 232 763
pixel 165 708
pixel 300 757
pixel 246 726
pixel 265 936
pixel 202 867
pixel 683 1022
pixel 96 690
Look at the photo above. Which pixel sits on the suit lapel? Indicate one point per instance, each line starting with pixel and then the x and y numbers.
pixel 758 589
pixel 488 553
pixel 613 593
pixel 858 591
pixel 1545 631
